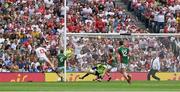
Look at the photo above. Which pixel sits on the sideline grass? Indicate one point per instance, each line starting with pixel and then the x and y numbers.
pixel 148 86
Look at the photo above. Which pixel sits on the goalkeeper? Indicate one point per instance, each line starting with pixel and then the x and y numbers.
pixel 99 71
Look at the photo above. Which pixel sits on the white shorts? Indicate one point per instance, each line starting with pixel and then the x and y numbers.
pixel 122 66
pixel 92 71
pixel 109 67
pixel 60 69
pixel 44 59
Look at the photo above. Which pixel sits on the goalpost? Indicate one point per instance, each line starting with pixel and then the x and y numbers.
pixel 159 39
pixel 65 33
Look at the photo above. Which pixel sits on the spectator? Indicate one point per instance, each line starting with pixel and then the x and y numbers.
pixel 160 21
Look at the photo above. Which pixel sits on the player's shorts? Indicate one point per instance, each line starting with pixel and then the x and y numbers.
pixel 43 59
pixel 92 71
pixel 109 67
pixel 122 66
pixel 60 69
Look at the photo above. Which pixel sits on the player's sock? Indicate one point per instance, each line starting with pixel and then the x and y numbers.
pixel 109 78
pixel 62 79
pixel 99 80
pixel 129 77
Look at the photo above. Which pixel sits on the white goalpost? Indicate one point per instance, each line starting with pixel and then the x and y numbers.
pixel 65 33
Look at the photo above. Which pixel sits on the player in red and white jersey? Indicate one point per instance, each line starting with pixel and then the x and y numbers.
pixel 41 54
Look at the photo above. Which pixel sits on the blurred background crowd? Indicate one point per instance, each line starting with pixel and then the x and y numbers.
pixel 158 15
pixel 26 23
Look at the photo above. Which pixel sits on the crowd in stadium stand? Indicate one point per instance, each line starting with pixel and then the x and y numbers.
pixel 26 23
pixel 158 15
pixel 98 16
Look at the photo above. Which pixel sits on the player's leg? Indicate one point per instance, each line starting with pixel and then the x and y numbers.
pixel 53 67
pixel 87 74
pixel 49 62
pixel 108 74
pixel 149 74
pixel 126 75
pixel 91 71
pixel 60 72
pixel 154 75
pixel 124 72
pixel 99 76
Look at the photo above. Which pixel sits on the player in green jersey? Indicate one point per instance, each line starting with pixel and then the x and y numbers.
pixel 61 59
pixel 99 71
pixel 124 59
pixel 111 63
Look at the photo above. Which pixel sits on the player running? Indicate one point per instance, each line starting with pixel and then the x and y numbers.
pixel 99 71
pixel 111 62
pixel 41 53
pixel 61 59
pixel 124 52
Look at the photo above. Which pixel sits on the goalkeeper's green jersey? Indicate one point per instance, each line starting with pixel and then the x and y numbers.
pixel 101 68
pixel 61 59
pixel 123 51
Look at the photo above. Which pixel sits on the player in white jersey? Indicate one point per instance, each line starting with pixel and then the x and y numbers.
pixel 41 54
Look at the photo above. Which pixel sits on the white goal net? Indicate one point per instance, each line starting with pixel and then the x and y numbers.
pixel 86 49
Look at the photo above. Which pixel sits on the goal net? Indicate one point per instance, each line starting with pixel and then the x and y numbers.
pixel 86 49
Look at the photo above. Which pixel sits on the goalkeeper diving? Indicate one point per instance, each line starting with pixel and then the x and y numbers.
pixel 98 70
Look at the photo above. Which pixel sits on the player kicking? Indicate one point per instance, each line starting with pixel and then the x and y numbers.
pixel 124 52
pixel 61 59
pixel 99 71
pixel 41 54
pixel 111 62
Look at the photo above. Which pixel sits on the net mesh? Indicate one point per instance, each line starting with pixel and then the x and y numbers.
pixel 85 50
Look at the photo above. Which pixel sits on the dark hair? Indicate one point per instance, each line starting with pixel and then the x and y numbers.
pixel 61 51
pixel 121 42
pixel 110 50
pixel 161 55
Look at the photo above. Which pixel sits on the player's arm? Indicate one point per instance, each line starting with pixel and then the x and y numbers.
pixel 120 55
pixel 47 53
pixel 129 53
pixel 65 57
pixel 110 58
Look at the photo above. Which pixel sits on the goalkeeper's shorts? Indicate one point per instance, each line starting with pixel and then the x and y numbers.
pixel 92 71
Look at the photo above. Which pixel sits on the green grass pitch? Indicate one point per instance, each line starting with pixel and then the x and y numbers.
pixel 118 86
